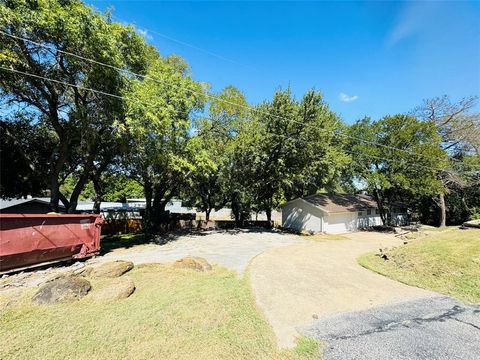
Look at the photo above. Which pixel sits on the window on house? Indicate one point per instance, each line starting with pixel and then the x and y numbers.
pixel 369 212
pixel 377 211
pixel 360 213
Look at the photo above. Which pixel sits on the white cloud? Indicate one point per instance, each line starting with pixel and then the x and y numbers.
pixel 413 19
pixel 144 33
pixel 345 98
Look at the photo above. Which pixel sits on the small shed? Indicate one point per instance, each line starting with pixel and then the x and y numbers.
pixel 331 213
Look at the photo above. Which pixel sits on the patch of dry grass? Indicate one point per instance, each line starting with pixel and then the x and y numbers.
pixel 173 314
pixel 426 230
pixel 447 262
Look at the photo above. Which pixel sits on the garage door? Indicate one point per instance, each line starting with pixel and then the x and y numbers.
pixel 341 223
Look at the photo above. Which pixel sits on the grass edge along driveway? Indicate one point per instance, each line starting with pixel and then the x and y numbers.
pixel 447 262
pixel 173 313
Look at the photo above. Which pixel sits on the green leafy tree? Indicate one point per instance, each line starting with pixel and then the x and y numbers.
pixel 210 150
pixel 459 128
pixel 24 155
pixel 80 119
pixel 296 152
pixel 397 158
pixel 157 129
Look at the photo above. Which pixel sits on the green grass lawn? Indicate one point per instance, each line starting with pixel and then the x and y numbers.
pixel 173 314
pixel 446 262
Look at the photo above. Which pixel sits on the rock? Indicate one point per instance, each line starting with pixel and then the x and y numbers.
pixel 87 271
pixel 120 288
pixel 65 289
pixel 111 269
pixel 194 263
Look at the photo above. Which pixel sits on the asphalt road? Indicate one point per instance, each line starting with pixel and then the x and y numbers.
pixel 431 328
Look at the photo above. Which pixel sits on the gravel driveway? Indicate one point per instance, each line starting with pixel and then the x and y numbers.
pixel 233 249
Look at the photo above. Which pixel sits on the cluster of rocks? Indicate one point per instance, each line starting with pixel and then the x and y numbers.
pixel 74 286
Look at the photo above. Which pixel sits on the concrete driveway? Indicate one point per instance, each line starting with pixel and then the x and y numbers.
pixel 319 290
pixel 233 249
pixel 296 284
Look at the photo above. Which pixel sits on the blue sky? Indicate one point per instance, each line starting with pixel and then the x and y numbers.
pixel 367 58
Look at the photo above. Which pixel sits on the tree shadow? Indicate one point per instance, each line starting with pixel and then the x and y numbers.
pixel 126 241
pixel 112 242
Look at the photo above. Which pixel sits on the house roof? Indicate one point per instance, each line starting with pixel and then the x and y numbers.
pixel 7 203
pixel 337 203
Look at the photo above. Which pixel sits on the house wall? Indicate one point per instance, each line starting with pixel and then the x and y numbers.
pixel 341 223
pixel 365 220
pixel 299 215
pixel 351 221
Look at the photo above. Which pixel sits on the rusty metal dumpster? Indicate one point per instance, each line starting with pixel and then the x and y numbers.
pixel 31 239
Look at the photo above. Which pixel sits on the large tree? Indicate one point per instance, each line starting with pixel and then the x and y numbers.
pixel 39 73
pixel 157 130
pixel 24 156
pixel 459 128
pixel 211 150
pixel 396 158
pixel 296 151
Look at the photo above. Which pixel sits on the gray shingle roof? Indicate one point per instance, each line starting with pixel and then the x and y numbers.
pixel 7 203
pixel 333 203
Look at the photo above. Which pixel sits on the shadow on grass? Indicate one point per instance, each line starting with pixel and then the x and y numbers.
pixel 112 242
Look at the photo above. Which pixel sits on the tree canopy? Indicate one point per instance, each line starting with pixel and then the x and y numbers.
pixel 91 110
pixel 396 158
pixel 43 35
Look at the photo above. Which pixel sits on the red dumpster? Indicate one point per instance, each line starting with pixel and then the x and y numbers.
pixel 30 239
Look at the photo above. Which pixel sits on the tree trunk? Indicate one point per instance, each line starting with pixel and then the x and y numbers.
pixel 98 195
pixel 207 214
pixel 235 204
pixel 268 212
pixel 443 209
pixel 381 209
pixel 54 193
pixel 77 190
pixel 64 200
pixel 54 183
pixel 148 192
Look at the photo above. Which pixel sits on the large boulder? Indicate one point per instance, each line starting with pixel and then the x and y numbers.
pixel 66 289
pixel 117 289
pixel 194 263
pixel 111 269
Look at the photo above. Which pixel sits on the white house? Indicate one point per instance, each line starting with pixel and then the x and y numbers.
pixel 331 213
